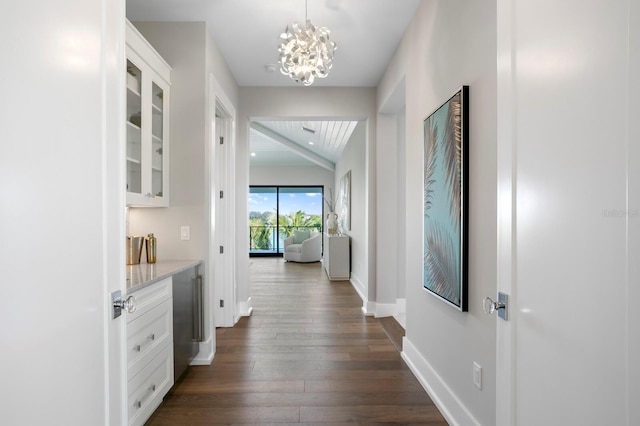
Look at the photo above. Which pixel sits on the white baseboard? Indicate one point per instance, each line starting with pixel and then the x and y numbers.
pixel 358 286
pixel 206 353
pixel 453 410
pixel 244 308
pixel 368 308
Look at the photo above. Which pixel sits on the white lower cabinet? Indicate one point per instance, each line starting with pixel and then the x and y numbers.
pixel 147 388
pixel 336 258
pixel 149 350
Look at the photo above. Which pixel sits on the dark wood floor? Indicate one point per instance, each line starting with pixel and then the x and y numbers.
pixel 307 355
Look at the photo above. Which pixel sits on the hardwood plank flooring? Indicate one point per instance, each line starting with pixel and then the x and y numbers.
pixel 307 355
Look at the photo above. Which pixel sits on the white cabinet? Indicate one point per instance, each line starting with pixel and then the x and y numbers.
pixel 148 91
pixel 149 350
pixel 336 258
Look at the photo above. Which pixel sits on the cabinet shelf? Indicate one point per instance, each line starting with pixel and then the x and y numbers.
pixel 133 126
pixel 133 160
pixel 132 91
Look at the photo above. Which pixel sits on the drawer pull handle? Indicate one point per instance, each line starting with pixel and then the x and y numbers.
pixel 150 338
pixel 150 391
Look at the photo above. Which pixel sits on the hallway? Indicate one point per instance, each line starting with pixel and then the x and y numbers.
pixel 307 355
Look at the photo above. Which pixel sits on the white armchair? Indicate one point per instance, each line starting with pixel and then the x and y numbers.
pixel 307 250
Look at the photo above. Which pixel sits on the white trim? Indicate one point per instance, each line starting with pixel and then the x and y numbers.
pixel 358 286
pixel 506 150
pixel 368 308
pixel 244 308
pixel 221 175
pixel 451 407
pixel 206 353
pixel 114 105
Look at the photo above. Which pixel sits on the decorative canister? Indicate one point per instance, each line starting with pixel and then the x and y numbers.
pixel 151 248
pixel 134 249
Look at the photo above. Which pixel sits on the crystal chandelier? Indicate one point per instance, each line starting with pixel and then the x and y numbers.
pixel 306 53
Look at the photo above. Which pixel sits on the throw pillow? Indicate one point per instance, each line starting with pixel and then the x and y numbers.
pixel 300 236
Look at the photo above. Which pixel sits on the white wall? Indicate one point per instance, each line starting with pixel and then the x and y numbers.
pixel 303 103
pixel 451 43
pixel 353 159
pixel 182 45
pixel 391 181
pixel 401 274
pixel 575 166
pixel 187 47
pixel 387 213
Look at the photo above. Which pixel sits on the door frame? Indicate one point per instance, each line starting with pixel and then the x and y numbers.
pixel 222 276
pixel 114 207
pixel 507 214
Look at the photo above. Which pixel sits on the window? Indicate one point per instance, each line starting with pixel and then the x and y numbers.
pixel 275 212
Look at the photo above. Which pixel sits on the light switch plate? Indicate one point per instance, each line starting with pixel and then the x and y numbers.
pixel 185 233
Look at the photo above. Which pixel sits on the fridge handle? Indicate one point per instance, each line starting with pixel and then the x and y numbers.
pixel 198 318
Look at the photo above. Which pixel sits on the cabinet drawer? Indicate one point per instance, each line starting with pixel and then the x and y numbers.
pixel 146 390
pixel 148 335
pixel 149 297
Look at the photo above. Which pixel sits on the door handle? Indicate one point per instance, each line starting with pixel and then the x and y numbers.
pixel 489 306
pixel 129 304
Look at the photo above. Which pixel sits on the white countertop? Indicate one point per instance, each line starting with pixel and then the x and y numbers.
pixel 144 274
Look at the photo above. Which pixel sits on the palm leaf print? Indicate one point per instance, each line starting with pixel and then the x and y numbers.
pixel 430 166
pixel 441 268
pixel 453 155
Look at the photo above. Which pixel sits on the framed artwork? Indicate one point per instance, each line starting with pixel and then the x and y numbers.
pixel 445 200
pixel 345 201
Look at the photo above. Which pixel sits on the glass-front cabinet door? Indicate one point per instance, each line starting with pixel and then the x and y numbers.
pixel 147 123
pixel 157 140
pixel 134 129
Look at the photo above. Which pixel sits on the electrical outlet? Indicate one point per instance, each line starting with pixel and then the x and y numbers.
pixel 185 233
pixel 477 375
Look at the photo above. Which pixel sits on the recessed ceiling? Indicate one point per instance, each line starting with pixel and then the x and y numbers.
pixel 247 32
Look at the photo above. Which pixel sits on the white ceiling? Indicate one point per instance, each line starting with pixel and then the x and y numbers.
pixel 367 32
pixel 299 143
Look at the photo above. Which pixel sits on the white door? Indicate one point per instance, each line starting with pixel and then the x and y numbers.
pixel 61 211
pixel 569 189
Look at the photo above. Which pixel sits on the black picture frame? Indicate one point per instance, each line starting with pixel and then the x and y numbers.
pixel 446 201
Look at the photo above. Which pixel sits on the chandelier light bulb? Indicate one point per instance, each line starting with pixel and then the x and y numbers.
pixel 306 53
